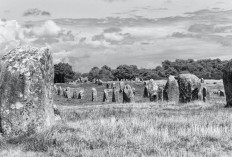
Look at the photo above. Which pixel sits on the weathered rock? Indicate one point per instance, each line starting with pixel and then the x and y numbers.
pixel 153 90
pixel 81 94
pixel 227 81
pixel 189 87
pixel 60 91
pixel 121 85
pixel 204 94
pixel 202 80
pixel 113 85
pixel 171 90
pixel 128 95
pixel 70 92
pixel 105 96
pixel 115 95
pixel 55 89
pixel 94 94
pixel 145 92
pixel 160 94
pixel 133 89
pixel 26 100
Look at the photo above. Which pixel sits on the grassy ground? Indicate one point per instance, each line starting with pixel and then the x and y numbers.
pixel 137 129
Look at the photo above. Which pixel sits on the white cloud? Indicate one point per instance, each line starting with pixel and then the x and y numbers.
pixel 49 28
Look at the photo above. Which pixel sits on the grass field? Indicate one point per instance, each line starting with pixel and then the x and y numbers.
pixel 137 129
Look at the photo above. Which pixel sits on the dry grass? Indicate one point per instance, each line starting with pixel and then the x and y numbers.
pixel 146 129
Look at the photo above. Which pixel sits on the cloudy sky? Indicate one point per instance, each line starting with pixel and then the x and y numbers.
pixel 87 33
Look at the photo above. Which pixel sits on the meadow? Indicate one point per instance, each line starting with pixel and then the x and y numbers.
pixel 136 129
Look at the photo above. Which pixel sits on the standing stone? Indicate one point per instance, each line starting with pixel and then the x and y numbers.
pixel 202 80
pixel 133 89
pixel 70 92
pixel 81 94
pixel 153 90
pixel 55 89
pixel 128 95
pixel 160 94
pixel 105 96
pixel 94 94
pixel 121 85
pixel 227 81
pixel 189 87
pixel 145 92
pixel 26 101
pixel 113 85
pixel 171 90
pixel 115 95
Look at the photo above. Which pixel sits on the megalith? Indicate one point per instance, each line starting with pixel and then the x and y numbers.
pixel 145 92
pixel 26 85
pixel 94 94
pixel 171 90
pixel 115 95
pixel 153 90
pixel 227 81
pixel 105 95
pixel 189 87
pixel 128 95
pixel 121 86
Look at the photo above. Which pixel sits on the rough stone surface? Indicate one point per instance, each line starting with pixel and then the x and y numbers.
pixel 121 85
pixel 115 95
pixel 81 94
pixel 204 94
pixel 26 100
pixel 227 81
pixel 171 90
pixel 70 92
pixel 153 90
pixel 160 94
pixel 189 87
pixel 94 94
pixel 105 96
pixel 145 92
pixel 128 95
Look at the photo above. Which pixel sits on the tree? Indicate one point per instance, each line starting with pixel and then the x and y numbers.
pixel 63 73
pixel 106 73
pixel 94 73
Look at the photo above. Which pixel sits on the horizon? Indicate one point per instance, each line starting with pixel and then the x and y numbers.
pixel 116 32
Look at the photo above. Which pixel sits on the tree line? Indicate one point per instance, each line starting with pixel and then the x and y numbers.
pixel 206 68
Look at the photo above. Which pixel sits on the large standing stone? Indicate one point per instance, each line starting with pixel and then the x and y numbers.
pixel 160 94
pixel 128 95
pixel 81 94
pixel 153 90
pixel 70 93
pixel 145 92
pixel 94 94
pixel 171 90
pixel 227 81
pixel 105 95
pixel 115 95
pixel 204 94
pixel 26 85
pixel 189 87
pixel 121 86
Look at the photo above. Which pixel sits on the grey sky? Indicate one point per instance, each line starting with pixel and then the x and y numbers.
pixel 87 33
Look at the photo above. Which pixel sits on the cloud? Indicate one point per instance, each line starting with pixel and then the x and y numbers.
pixel 48 29
pixel 11 34
pixel 36 12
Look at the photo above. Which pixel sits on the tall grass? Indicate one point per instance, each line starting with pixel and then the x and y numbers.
pixel 148 129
